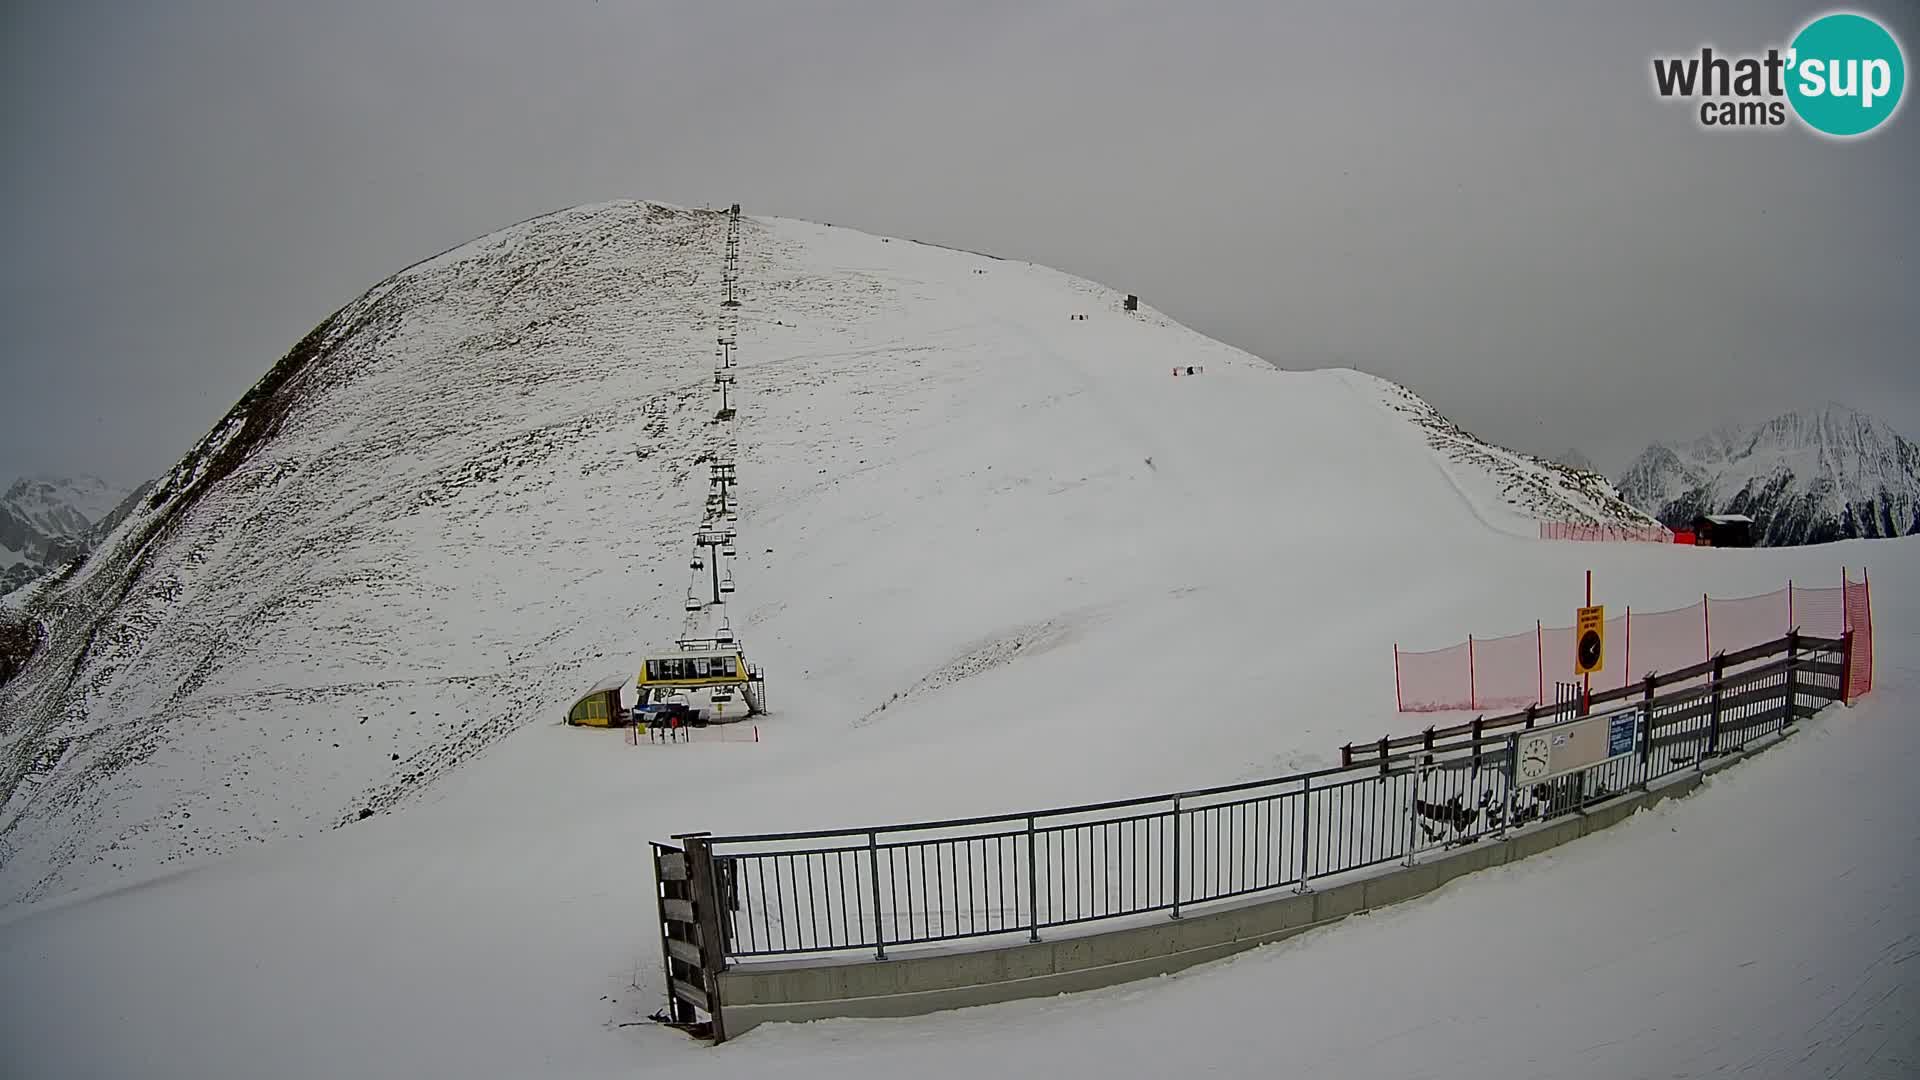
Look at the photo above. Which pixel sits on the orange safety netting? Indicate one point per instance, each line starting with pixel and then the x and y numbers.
pixel 1577 530
pixel 1520 669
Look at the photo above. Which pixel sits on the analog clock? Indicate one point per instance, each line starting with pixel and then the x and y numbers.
pixel 1532 757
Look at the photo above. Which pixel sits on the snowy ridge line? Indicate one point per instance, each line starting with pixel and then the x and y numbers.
pixel 1103 861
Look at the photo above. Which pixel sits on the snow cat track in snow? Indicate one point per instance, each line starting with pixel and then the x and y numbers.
pixel 984 656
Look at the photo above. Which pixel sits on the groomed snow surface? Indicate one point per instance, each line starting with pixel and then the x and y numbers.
pixel 1768 926
pixel 1067 575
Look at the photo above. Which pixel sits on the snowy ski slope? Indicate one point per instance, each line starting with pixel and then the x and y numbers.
pixel 469 495
pixel 1066 575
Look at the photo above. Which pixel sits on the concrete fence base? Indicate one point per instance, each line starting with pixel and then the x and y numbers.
pixel 914 983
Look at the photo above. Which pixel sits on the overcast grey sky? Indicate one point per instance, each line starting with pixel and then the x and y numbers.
pixel 1482 200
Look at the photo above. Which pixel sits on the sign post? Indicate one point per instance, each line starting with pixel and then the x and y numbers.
pixel 1590 644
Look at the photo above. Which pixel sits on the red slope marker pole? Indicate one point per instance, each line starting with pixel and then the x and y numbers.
pixel 1473 679
pixel 1626 665
pixel 1399 703
pixel 1706 622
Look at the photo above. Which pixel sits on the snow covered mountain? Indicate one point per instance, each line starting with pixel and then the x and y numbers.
pixel 1805 477
pixel 970 490
pixel 46 521
pixel 1574 459
pixel 467 495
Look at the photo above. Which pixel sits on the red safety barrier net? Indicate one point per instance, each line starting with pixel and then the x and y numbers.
pixel 1520 669
pixel 1576 530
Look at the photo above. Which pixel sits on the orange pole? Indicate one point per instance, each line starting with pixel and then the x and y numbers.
pixel 1866 588
pixel 1706 621
pixel 1399 704
pixel 1586 681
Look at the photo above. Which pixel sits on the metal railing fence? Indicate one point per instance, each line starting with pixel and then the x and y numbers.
pixel 883 887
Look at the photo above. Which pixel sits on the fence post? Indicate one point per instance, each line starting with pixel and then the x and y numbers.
pixel 1383 755
pixel 1713 713
pixel 1033 879
pixel 1539 662
pixel 1626 662
pixel 1306 803
pixel 705 892
pixel 1346 756
pixel 1413 809
pixel 873 865
pixel 1513 777
pixel 1473 683
pixel 1866 598
pixel 1846 659
pixel 1646 735
pixel 1706 622
pixel 1399 703
pixel 1176 857
pixel 1793 677
pixel 1530 712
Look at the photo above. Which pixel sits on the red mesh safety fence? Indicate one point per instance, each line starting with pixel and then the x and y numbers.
pixel 1859 605
pixel 1820 612
pixel 1557 658
pixel 1667 640
pixel 1429 681
pixel 1747 621
pixel 1574 530
pixel 1506 672
pixel 1521 669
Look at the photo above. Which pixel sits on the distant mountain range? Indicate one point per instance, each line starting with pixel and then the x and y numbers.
pixel 1808 477
pixel 1574 459
pixel 47 522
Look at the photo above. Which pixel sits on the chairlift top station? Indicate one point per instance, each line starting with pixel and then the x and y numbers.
pixel 715 664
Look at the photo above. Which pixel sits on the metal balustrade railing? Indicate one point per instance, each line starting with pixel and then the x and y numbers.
pixel 1011 875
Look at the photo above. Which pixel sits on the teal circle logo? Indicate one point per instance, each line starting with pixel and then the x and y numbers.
pixel 1846 74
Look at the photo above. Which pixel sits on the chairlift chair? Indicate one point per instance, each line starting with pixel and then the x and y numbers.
pixel 727 549
pixel 693 602
pixel 726 583
pixel 724 635
pixel 697 563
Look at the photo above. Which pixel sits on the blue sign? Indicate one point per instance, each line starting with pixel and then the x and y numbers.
pixel 1620 728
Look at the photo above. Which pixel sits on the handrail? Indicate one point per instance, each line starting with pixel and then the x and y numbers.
pixel 878 887
pixel 1423 742
pixel 1356 751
